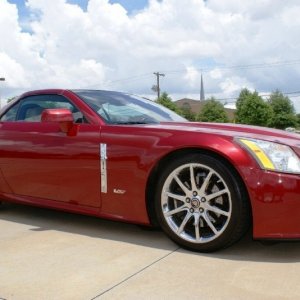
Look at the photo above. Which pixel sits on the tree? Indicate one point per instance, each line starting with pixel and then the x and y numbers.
pixel 213 111
pixel 11 99
pixel 298 120
pixel 186 112
pixel 166 101
pixel 252 109
pixel 283 111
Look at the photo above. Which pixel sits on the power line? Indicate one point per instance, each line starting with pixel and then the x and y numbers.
pixel 292 94
pixel 136 77
pixel 209 68
pixel 240 67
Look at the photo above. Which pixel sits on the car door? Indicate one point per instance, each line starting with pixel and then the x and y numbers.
pixel 39 161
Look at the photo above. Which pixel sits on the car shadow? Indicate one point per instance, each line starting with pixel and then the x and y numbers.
pixel 251 250
pixel 40 219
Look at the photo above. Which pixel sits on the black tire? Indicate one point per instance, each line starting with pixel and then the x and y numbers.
pixel 216 217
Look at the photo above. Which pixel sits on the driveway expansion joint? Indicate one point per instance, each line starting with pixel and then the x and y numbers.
pixel 134 274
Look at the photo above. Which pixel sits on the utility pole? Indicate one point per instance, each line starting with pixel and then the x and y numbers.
pixel 157 74
pixel 1 79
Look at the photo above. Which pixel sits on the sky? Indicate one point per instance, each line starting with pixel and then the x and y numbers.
pixel 119 44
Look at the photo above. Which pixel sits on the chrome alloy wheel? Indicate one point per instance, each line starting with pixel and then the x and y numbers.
pixel 196 203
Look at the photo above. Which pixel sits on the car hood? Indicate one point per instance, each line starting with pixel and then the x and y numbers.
pixel 236 130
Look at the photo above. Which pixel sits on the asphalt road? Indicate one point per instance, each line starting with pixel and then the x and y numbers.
pixel 46 254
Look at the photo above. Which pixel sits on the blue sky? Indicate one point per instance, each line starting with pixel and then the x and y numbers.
pixel 130 5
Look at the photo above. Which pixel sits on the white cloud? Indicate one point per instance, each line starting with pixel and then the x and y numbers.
pixel 215 73
pixel 69 47
pixel 233 85
pixel 192 76
pixel 14 71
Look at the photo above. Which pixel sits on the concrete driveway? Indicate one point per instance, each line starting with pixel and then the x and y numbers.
pixel 46 254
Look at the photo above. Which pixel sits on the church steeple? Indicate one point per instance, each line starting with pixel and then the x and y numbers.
pixel 202 96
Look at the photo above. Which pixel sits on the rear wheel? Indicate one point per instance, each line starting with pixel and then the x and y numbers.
pixel 201 204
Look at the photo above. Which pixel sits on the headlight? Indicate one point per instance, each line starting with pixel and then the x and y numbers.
pixel 272 156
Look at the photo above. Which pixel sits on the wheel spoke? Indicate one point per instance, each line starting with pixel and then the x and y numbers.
pixel 185 220
pixel 217 210
pixel 196 224
pixel 210 224
pixel 196 202
pixel 183 187
pixel 217 194
pixel 175 211
pixel 175 196
pixel 206 182
pixel 197 232
pixel 193 182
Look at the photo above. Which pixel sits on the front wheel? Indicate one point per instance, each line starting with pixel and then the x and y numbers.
pixel 201 204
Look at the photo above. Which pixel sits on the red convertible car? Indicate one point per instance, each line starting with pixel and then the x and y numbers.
pixel 121 157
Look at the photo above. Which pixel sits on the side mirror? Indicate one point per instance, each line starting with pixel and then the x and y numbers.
pixel 63 116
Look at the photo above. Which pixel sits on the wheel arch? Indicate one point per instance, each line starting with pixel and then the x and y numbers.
pixel 154 177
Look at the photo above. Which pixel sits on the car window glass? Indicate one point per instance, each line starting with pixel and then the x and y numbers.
pixel 11 114
pixel 121 108
pixel 31 108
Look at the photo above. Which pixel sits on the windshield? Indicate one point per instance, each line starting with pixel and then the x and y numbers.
pixel 121 108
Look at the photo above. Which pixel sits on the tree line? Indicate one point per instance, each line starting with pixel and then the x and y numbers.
pixel 277 111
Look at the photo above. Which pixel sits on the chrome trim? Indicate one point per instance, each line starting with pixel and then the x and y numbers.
pixel 118 191
pixel 103 169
